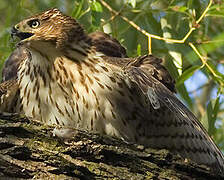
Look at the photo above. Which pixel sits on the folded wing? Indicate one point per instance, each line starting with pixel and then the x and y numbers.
pixel 182 133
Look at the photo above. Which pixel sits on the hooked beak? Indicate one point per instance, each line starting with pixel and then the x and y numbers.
pixel 19 34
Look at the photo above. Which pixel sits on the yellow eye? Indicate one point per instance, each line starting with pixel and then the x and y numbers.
pixel 34 23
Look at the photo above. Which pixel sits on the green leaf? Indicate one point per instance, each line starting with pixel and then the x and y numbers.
pixel 216 10
pixel 212 111
pixel 77 11
pixel 132 2
pixel 187 74
pixel 182 9
pixel 96 14
pixel 189 4
pixel 139 50
pixel 209 115
pixel 216 108
pixel 215 43
pixel 96 6
pixel 96 19
pixel 178 8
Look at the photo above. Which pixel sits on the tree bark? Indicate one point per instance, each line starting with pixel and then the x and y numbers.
pixel 29 150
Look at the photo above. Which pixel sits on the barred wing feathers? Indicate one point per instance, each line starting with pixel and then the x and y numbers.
pixel 182 133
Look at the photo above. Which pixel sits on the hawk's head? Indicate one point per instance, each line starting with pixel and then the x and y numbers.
pixel 52 26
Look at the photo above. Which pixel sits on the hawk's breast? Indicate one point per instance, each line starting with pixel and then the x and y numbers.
pixel 87 94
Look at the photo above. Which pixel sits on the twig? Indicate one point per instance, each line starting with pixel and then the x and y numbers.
pixel 203 60
pixel 156 36
pixel 168 40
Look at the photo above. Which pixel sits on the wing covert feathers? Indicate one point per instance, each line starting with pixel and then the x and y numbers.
pixel 8 95
pixel 147 74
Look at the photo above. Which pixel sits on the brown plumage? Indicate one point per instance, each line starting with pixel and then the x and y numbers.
pixel 71 80
pixel 100 41
pixel 107 45
pixel 11 64
pixel 9 93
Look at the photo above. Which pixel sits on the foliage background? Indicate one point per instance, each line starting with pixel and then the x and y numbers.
pixel 199 89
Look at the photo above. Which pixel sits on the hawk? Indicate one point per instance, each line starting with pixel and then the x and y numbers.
pixel 102 42
pixel 69 78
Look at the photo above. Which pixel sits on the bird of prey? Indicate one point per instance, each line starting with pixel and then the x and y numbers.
pixel 69 78
pixel 102 42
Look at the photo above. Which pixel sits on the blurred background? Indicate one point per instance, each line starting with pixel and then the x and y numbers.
pixel 199 87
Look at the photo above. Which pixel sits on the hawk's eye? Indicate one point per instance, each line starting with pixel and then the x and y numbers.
pixel 34 23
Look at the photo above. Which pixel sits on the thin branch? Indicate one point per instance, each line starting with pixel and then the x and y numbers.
pixel 203 60
pixel 204 13
pixel 149 35
pixel 168 40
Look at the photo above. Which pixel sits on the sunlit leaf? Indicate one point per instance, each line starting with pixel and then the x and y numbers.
pixel 132 2
pixel 96 6
pixel 139 50
pixel 179 8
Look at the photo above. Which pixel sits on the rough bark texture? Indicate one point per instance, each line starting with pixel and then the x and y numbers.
pixel 28 150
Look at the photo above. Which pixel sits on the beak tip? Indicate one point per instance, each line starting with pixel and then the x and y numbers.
pixel 13 30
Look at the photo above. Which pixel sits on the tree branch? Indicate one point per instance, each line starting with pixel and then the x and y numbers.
pixel 28 150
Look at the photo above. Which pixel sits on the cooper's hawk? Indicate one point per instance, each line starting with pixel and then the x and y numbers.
pixel 69 79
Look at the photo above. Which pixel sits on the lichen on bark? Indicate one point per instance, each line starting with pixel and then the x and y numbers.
pixel 29 150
